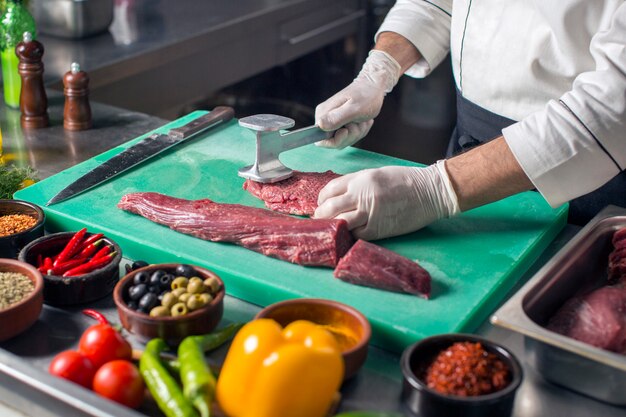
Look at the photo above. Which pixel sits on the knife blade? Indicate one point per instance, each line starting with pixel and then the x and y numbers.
pixel 142 151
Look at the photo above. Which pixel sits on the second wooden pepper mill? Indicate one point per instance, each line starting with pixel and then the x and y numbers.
pixel 33 99
pixel 77 111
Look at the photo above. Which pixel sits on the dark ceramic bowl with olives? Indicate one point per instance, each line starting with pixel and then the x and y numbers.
pixel 169 301
pixel 84 288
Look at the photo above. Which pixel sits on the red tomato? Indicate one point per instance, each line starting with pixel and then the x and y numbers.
pixel 120 381
pixel 101 343
pixel 73 366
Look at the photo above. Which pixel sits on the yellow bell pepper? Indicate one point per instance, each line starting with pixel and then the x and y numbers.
pixel 274 372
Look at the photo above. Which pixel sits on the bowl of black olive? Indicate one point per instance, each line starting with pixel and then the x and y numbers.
pixel 169 301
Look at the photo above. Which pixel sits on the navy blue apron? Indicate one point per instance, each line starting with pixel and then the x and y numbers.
pixel 475 125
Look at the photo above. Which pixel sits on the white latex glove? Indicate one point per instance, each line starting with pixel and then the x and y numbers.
pixel 389 201
pixel 353 109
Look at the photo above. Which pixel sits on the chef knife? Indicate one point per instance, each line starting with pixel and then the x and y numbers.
pixel 142 151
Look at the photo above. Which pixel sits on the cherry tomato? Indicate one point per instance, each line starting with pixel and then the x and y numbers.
pixel 73 366
pixel 101 343
pixel 120 381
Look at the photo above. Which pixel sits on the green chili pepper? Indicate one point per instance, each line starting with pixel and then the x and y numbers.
pixel 195 374
pixel 172 366
pixel 161 384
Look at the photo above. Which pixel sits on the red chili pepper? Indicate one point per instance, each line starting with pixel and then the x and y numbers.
pixel 95 314
pixel 59 269
pixel 91 239
pixel 39 260
pixel 89 266
pixel 102 252
pixel 47 262
pixel 46 266
pixel 90 249
pixel 72 246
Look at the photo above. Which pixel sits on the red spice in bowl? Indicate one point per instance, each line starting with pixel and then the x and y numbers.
pixel 467 369
pixel 472 376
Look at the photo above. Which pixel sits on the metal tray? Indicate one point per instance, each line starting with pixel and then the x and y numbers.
pixel 579 267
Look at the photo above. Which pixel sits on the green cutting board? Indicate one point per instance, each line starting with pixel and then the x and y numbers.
pixel 474 259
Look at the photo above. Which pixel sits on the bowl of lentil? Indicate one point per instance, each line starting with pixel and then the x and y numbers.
pixel 20 223
pixel 170 301
pixel 350 327
pixel 459 375
pixel 21 297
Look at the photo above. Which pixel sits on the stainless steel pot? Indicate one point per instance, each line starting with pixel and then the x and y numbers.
pixel 72 19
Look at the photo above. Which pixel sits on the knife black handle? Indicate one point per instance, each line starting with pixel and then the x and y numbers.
pixel 218 115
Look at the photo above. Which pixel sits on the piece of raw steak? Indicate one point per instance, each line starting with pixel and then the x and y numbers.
pixel 316 242
pixel 295 195
pixel 374 266
pixel 597 318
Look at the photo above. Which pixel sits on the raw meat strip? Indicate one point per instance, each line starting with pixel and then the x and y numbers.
pixel 295 195
pixel 316 242
pixel 619 237
pixel 598 318
pixel 374 266
pixel 617 258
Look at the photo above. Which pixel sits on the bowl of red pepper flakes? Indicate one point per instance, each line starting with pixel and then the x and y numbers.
pixel 21 222
pixel 77 267
pixel 459 375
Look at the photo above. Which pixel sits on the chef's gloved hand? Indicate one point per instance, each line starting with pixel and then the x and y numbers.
pixel 352 110
pixel 389 201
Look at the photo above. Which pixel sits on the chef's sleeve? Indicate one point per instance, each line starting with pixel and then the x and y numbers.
pixel 576 144
pixel 426 24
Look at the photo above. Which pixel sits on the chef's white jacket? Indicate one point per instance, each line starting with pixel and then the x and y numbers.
pixel 557 67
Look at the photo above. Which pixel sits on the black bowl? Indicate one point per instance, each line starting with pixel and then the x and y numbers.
pixel 11 245
pixel 426 402
pixel 60 291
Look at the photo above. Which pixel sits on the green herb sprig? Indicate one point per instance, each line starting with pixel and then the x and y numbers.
pixel 12 178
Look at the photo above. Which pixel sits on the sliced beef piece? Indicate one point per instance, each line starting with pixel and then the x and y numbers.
pixel 617 268
pixel 619 238
pixel 315 242
pixel 295 195
pixel 374 266
pixel 597 318
pixel 617 258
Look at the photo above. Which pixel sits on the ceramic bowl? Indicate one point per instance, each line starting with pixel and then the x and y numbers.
pixel 171 329
pixel 60 291
pixel 18 317
pixel 11 245
pixel 421 400
pixel 348 325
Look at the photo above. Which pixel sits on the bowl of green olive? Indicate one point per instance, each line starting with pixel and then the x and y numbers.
pixel 169 301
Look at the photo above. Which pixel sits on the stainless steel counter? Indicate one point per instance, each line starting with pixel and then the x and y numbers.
pixel 160 55
pixel 26 386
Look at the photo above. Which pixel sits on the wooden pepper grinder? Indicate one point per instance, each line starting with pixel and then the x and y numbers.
pixel 33 99
pixel 77 111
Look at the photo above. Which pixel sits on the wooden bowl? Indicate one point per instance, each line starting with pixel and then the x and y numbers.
pixel 60 291
pixel 348 325
pixel 11 245
pixel 171 329
pixel 20 316
pixel 427 402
